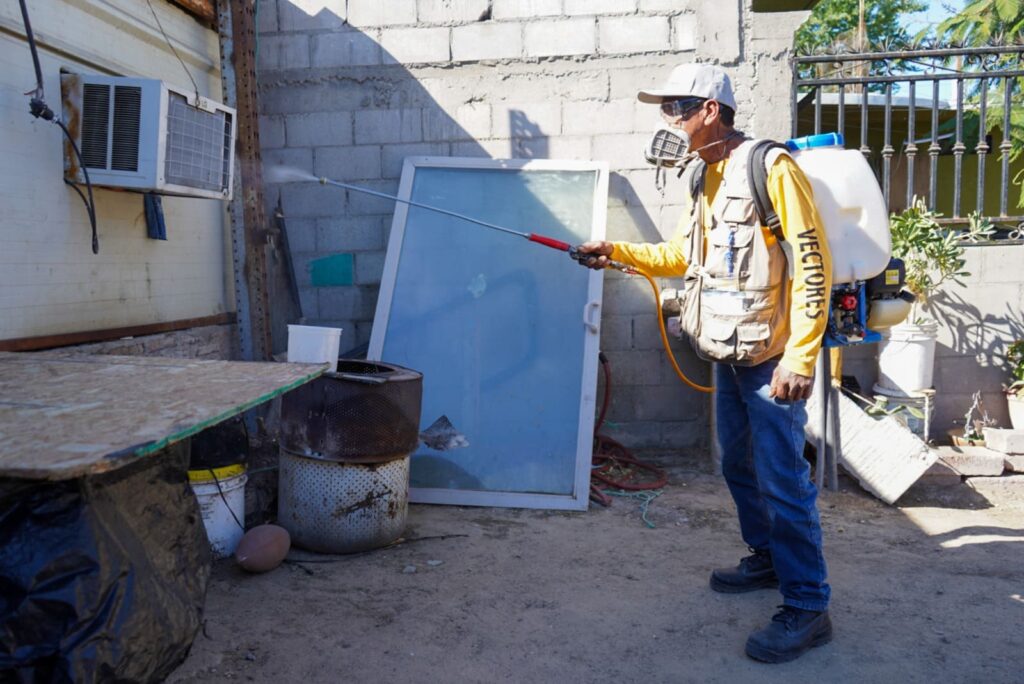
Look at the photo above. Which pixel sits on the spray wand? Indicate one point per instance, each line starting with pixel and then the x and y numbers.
pixel 551 242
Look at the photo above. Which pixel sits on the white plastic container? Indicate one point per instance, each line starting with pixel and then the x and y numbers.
pixel 314 344
pixel 906 358
pixel 850 203
pixel 1015 405
pixel 222 528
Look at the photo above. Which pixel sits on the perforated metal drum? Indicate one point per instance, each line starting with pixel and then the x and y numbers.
pixel 366 412
pixel 334 507
pixel 346 439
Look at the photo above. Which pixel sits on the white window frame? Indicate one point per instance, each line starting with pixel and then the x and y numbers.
pixel 589 324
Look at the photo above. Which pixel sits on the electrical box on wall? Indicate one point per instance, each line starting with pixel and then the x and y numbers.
pixel 143 135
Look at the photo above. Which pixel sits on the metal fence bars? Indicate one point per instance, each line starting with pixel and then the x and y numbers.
pixel 897 97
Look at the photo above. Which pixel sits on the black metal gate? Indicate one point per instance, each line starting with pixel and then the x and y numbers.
pixel 889 105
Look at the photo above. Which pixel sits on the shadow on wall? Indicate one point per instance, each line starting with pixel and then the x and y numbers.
pixel 529 139
pixel 336 104
pixel 976 333
pixel 974 360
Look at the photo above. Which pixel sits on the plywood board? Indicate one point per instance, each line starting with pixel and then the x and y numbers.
pixel 64 415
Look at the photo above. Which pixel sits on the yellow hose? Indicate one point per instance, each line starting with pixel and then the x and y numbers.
pixel 664 335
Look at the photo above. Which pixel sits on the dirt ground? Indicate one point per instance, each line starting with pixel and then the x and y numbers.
pixel 929 591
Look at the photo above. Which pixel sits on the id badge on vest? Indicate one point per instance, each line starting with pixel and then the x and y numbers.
pixel 727 301
pixel 726 296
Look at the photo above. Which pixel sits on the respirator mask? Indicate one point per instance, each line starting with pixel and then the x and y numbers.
pixel 668 148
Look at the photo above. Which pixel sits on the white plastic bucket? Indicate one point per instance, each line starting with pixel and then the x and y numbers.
pixel 851 206
pixel 906 358
pixel 222 528
pixel 314 344
pixel 1015 405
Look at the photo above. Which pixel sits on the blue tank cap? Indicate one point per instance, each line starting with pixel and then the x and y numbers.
pixel 810 142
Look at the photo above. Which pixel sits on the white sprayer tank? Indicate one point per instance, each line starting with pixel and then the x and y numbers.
pixel 850 204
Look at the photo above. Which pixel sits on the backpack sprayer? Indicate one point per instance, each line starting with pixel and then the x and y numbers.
pixel 544 240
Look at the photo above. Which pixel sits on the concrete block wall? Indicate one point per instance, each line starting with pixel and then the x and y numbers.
pixel 976 323
pixel 349 89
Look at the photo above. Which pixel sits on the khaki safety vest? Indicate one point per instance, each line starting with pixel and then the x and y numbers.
pixel 734 302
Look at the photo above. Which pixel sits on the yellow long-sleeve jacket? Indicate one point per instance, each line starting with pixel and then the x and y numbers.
pixel 793 200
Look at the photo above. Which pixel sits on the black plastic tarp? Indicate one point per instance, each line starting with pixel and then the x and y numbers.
pixel 102 579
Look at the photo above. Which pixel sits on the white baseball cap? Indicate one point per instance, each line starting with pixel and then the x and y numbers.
pixel 693 80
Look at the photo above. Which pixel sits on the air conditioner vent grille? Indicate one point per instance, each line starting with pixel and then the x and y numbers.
pixel 197 146
pixel 143 135
pixel 127 112
pixel 95 125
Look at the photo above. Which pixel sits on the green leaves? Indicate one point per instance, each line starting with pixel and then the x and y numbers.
pixel 983 20
pixel 881 408
pixel 1015 357
pixel 932 254
pixel 833 25
pixel 1008 10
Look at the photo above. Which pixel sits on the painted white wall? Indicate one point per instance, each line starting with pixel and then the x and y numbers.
pixel 50 281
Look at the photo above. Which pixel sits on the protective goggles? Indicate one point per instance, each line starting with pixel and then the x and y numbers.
pixel 683 107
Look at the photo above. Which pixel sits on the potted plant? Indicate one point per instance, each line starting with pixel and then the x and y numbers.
pixel 1015 391
pixel 933 255
pixel 972 432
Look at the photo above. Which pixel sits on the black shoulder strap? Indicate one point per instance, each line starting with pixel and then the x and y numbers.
pixel 757 177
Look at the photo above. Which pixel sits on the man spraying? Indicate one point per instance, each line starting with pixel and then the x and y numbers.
pixel 755 303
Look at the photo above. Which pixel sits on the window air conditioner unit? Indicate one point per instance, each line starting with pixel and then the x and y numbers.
pixel 143 135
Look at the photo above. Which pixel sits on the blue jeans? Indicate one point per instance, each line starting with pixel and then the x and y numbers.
pixel 762 444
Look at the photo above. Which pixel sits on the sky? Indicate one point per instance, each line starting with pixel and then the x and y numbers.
pixel 937 11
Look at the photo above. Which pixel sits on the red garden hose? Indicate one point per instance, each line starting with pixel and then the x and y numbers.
pixel 611 458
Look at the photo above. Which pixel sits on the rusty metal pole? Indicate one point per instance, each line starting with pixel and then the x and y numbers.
pixel 236 25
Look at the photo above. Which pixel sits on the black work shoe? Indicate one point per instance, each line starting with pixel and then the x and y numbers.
pixel 753 572
pixel 792 633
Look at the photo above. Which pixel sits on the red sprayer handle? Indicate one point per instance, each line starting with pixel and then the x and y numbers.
pixel 574 253
pixel 549 242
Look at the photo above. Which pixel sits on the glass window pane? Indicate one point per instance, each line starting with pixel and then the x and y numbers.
pixel 495 324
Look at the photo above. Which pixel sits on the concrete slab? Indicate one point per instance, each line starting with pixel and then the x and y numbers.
pixel 972 461
pixel 998 487
pixel 940 475
pixel 881 453
pixel 1005 441
pixel 1014 464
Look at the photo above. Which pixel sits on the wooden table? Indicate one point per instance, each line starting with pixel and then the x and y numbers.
pixel 64 414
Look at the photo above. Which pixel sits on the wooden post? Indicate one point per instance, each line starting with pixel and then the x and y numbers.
pixel 236 24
